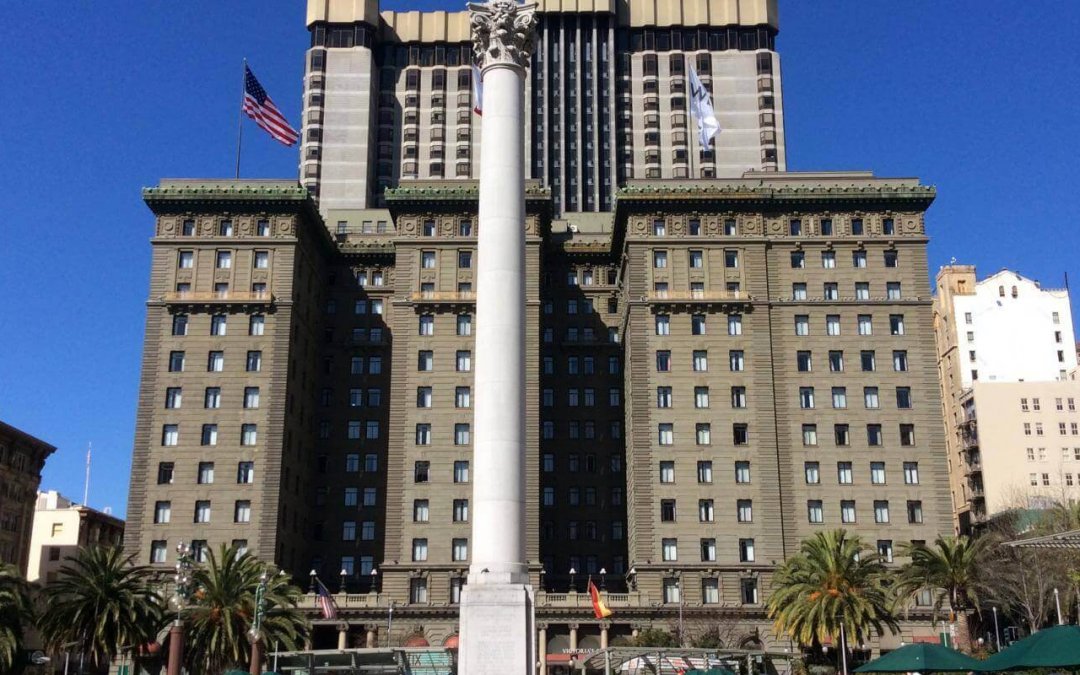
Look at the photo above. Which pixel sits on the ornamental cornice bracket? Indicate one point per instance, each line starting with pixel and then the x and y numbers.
pixel 503 32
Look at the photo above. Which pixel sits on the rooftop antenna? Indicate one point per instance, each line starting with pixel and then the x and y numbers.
pixel 86 485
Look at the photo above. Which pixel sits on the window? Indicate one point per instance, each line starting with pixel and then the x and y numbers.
pixel 245 472
pixel 704 472
pixel 701 397
pixel 162 512
pixel 806 397
pixel 419 550
pixel 185 260
pixel 248 434
pixel 253 364
pixel 663 361
pixel 731 259
pixel 708 550
pixel 738 397
pixel 911 473
pixel 464 324
pixel 427 260
pixel 423 434
pixel 202 511
pixel 666 434
pixel 427 325
pixel 461 510
pixel 663 324
pixel 892 290
pixel 461 471
pixel 463 361
pixel 696 261
pixel 812 472
pixel 170 434
pixel 180 325
pixel 836 362
pixel 814 511
pixel 667 510
pixel 706 512
pixel 873 434
pixel 907 434
pixel 742 472
pixel 215 362
pixel 462 397
pixel 734 324
pixel 749 591
pixel 462 434
pixel 740 434
pixel 223 261
pixel 173 397
pixel 839 397
pixel 798 291
pixel 831 291
pixel 802 324
pixel 828 259
pixel 866 324
pixel 868 361
pixel 914 511
pixel 826 227
pixel 832 324
pixel 697 324
pixel 251 397
pixel 659 259
pixel 896 324
pixel 744 509
pixel 877 473
pixel 885 548
pixel 870 398
pixel 862 290
pixel 844 474
pixel 858 259
pixel 425 361
pixel 891 259
pixel 242 511
pixel 736 361
pixel 703 433
pixel 798 260
pixel 209 434
pixel 903 397
pixel 881 512
pixel 165 473
pixel 847 511
pixel 205 475
pixel 842 434
pixel 809 434
pixel 261 261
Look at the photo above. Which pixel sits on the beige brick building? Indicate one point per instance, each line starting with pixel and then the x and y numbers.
pixel 717 370
pixel 22 457
pixel 61 529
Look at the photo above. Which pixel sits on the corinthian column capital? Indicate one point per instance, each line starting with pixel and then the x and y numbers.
pixel 502 32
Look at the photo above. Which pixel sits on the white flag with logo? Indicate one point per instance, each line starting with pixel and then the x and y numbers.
pixel 702 110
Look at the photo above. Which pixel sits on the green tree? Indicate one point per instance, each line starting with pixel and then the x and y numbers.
pixel 222 612
pixel 103 602
pixel 951 569
pixel 655 637
pixel 833 581
pixel 15 611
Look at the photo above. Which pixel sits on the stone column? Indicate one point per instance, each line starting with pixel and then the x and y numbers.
pixel 573 637
pixel 343 636
pixel 604 626
pixel 497 613
pixel 541 648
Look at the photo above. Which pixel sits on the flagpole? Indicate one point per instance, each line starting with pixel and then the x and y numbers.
pixel 240 119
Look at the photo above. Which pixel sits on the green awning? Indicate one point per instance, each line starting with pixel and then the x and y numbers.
pixel 1057 647
pixel 924 658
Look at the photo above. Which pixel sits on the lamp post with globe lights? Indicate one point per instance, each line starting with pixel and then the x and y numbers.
pixel 256 625
pixel 178 601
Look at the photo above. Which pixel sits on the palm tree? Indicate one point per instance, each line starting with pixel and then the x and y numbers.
pixel 950 569
pixel 103 602
pixel 15 610
pixel 218 622
pixel 833 587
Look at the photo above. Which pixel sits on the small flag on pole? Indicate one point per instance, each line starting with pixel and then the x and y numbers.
pixel 325 601
pixel 259 107
pixel 478 90
pixel 600 610
pixel 702 110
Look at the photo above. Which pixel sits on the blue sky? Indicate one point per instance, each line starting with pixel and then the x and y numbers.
pixel 101 99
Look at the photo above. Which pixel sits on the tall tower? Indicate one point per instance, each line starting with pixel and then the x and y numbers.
pixel 497 611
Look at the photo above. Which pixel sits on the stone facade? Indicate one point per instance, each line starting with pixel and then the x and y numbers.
pixel 748 305
pixel 22 457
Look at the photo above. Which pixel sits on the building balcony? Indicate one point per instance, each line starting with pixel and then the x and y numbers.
pixel 219 298
pixel 976 491
pixel 696 297
pixel 548 600
pixel 443 297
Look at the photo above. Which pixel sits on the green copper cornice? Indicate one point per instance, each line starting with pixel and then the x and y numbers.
pixel 735 195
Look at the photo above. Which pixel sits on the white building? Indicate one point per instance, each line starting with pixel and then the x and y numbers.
pixel 61 528
pixel 1006 347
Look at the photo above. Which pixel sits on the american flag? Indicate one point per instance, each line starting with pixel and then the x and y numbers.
pixel 259 107
pixel 325 602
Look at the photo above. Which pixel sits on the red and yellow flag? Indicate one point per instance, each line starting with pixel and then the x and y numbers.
pixel 600 610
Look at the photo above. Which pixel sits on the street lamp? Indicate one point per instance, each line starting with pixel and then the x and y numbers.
pixel 179 600
pixel 375 579
pixel 1057 603
pixel 344 574
pixel 312 575
pixel 256 626
pixel 603 578
pixel 997 633
pixel 573 588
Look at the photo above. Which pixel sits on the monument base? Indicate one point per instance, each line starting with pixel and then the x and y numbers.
pixel 497 630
